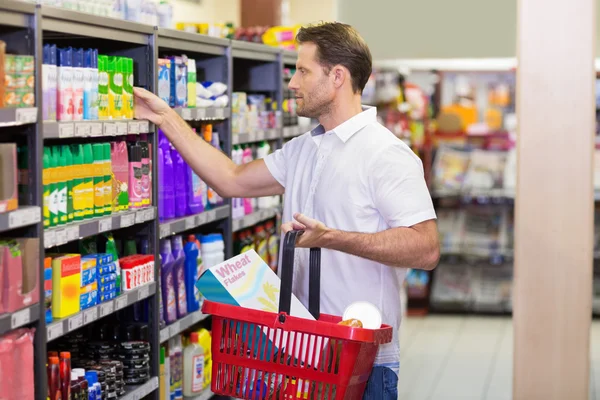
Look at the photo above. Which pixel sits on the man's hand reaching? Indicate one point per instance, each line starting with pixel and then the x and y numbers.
pixel 149 106
pixel 314 231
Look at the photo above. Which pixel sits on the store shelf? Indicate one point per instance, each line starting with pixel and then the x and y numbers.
pixel 17 319
pixel 253 51
pixel 183 224
pixel 204 114
pixel 254 218
pixel 83 129
pixel 257 136
pixel 289 58
pixel 292 131
pixel 80 24
pixel 181 325
pixel 63 234
pixel 140 391
pixel 18 116
pixel 64 326
pixel 21 217
pixel 191 42
pixel 15 13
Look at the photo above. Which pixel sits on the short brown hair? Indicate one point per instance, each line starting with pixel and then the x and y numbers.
pixel 341 44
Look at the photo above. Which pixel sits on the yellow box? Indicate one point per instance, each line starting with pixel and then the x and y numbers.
pixel 66 282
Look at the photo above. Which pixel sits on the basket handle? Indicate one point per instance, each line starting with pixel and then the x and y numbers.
pixel 287 275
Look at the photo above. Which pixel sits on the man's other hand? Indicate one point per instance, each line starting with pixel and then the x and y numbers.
pixel 314 231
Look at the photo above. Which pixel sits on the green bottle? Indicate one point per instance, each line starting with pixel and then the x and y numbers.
pixel 78 188
pixel 126 64
pixel 130 248
pixel 46 179
pixel 103 87
pixel 111 248
pixel 108 198
pixel 98 150
pixel 68 173
pixel 61 165
pixel 88 180
pixel 53 199
pixel 115 88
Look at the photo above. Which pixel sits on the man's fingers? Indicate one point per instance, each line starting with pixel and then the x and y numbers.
pixel 140 92
pixel 304 220
pixel 298 226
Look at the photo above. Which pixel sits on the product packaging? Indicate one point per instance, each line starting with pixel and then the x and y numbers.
pixel 66 285
pixel 178 96
pixel 49 82
pixel 48 289
pixel 19 262
pixel 120 176
pixel 191 82
pixel 164 79
pixel 78 84
pixel 135 176
pixel 65 105
pixel 9 194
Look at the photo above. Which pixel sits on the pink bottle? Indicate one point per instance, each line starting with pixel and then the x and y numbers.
pixel 135 176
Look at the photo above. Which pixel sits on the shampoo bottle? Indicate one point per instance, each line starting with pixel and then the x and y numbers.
pixel 135 176
pixel 145 173
pixel 47 179
pixel 179 272
pixel 168 282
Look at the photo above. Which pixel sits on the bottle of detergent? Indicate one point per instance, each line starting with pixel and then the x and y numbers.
pixel 192 274
pixel 195 191
pixel 180 174
pixel 179 273
pixel 167 175
pixel 168 282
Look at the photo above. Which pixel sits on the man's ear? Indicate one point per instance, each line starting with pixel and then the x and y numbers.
pixel 340 74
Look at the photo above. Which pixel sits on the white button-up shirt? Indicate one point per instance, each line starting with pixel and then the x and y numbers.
pixel 358 177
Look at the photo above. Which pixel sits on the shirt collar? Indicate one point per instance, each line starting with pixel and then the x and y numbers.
pixel 348 128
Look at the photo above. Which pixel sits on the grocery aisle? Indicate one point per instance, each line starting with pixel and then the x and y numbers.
pixel 467 358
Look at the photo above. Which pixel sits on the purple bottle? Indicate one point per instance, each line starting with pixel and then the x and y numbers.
pixel 167 282
pixel 166 179
pixel 179 273
pixel 180 175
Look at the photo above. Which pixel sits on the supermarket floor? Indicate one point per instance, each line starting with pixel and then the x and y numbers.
pixel 466 358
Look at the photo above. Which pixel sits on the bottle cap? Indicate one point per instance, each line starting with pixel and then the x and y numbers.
pixel 365 312
pixel 79 372
pixel 74 376
pixel 91 377
pixel 65 354
pixel 194 337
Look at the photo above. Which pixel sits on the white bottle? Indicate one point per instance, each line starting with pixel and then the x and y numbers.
pixel 78 84
pixel 193 367
pixel 263 151
pixel 65 85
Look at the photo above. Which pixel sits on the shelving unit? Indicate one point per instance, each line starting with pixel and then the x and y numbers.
pixel 242 66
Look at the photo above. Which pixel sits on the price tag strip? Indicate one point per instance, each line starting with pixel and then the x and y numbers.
pixel 122 128
pixel 26 115
pixel 200 113
pixel 49 239
pixel 144 126
pixel 134 127
pixel 121 302
pixel 83 130
pixel 165 230
pixel 23 217
pixel 95 129
pixel 55 331
pixel 143 292
pixel 107 309
pixel 110 129
pixel 66 130
pixel 105 225
pixel 164 335
pixel 186 114
pixel 20 318
pixel 175 328
pixel 90 315
pixel 127 220
pixel 75 322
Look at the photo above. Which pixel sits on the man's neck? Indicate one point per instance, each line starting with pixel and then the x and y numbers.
pixel 341 113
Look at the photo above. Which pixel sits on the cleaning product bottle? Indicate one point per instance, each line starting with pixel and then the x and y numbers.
pixel 168 282
pixel 78 84
pixel 69 171
pixel 191 275
pixel 179 362
pixel 108 198
pixel 98 150
pixel 61 185
pixel 65 85
pixel 195 189
pixel 179 274
pixel 180 174
pixel 191 82
pixel 167 181
pixel 115 88
pixel 146 187
pixel 47 181
pixel 174 356
pixel 135 176
pixel 78 187
pixel 88 180
pixel 127 66
pixel 193 367
pixel 103 80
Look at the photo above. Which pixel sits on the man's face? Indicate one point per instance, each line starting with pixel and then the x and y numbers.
pixel 311 85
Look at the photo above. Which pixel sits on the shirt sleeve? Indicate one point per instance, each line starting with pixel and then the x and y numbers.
pixel 277 162
pixel 399 189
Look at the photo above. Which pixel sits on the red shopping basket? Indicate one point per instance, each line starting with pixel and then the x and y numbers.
pixel 260 355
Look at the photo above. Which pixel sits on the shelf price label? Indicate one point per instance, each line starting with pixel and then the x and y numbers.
pixel 202 219
pixel 55 331
pixel 134 127
pixel 164 335
pixel 175 328
pixel 21 218
pixel 105 225
pixel 144 126
pixel 95 129
pixel 20 318
pixel 107 309
pixel 211 216
pixel 189 223
pixel 60 237
pixel 121 302
pixel 186 114
pixel 110 129
pixel 127 220
pixel 200 113
pixel 49 239
pixel 82 129
pixel 165 230
pixel 26 115
pixel 219 113
pixel 121 128
pixel 75 322
pixel 143 292
pixel 90 315
pixel 72 233
pixel 260 135
pixel 66 130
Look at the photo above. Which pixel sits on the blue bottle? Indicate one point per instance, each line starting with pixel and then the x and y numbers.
pixel 191 276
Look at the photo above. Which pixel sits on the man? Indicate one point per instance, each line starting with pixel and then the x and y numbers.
pixel 356 190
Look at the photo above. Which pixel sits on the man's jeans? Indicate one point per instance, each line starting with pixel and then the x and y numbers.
pixel 382 385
